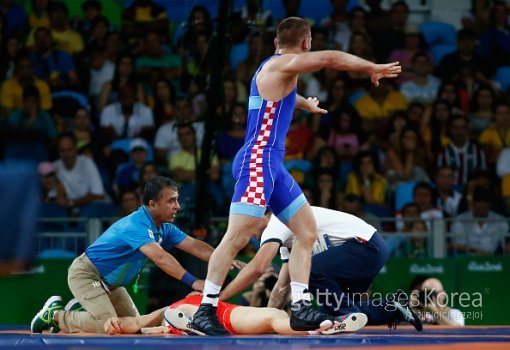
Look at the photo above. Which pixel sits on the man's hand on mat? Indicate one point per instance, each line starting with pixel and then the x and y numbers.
pixel 112 326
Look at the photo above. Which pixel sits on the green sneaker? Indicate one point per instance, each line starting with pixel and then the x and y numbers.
pixel 74 305
pixel 44 318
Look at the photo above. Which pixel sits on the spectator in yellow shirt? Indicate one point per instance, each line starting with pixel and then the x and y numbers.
pixel 376 106
pixel 497 135
pixel 38 16
pixel 65 38
pixel 144 16
pixel 365 181
pixel 11 93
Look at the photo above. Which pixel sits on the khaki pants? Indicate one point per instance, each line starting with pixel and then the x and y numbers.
pixel 100 301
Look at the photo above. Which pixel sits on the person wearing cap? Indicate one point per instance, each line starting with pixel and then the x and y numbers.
pixel 480 230
pixel 128 174
pixel 52 190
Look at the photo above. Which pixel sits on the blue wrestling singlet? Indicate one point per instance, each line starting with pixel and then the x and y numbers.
pixel 261 178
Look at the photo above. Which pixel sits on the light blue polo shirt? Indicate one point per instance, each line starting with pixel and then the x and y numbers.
pixel 116 253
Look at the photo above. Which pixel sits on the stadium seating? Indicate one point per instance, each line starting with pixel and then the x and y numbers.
pixel 503 77
pixel 436 33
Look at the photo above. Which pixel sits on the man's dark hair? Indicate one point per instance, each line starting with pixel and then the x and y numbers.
pixel 400 3
pixel 482 194
pixel 92 4
pixel 466 34
pixel 100 19
pixel 56 6
pixel 154 188
pixel 351 198
pixel 423 184
pixel 420 54
pixel 42 29
pixel 67 135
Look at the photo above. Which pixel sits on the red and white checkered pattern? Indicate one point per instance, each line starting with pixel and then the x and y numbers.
pixel 255 192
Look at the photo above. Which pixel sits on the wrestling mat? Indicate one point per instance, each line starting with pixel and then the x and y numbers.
pixel 380 337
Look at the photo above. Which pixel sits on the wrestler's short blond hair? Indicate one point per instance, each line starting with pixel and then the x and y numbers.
pixel 292 31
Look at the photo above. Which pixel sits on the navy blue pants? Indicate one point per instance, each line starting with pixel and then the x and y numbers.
pixel 342 273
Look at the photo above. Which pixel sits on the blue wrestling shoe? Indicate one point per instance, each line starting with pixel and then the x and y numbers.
pixel 43 320
pixel 403 311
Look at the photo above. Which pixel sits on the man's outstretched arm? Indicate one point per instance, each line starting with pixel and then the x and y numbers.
pixel 166 262
pixel 293 64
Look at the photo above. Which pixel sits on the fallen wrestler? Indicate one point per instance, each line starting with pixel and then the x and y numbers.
pixel 238 320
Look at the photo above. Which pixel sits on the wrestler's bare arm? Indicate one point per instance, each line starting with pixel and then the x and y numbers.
pixel 252 271
pixel 280 293
pixel 290 65
pixel 278 77
pixel 132 325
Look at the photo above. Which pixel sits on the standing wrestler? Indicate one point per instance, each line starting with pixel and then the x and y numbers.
pixel 261 179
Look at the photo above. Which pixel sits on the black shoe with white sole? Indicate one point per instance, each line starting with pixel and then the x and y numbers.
pixel 205 321
pixel 304 317
pixel 403 311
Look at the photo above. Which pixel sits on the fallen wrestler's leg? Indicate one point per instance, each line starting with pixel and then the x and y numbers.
pixel 262 320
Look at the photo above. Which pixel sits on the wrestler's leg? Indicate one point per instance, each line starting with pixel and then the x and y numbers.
pixel 261 320
pixel 290 206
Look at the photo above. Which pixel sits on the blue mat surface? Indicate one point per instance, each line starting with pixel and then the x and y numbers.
pixel 18 337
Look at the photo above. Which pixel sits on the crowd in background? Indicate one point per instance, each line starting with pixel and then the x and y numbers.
pixel 105 108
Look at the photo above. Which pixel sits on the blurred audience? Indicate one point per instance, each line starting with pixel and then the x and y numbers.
pixel 130 201
pixel 480 230
pixel 79 175
pixel 126 118
pixel 366 181
pixel 463 155
pixel 100 87
pixel 11 94
pixel 429 300
pixel 52 190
